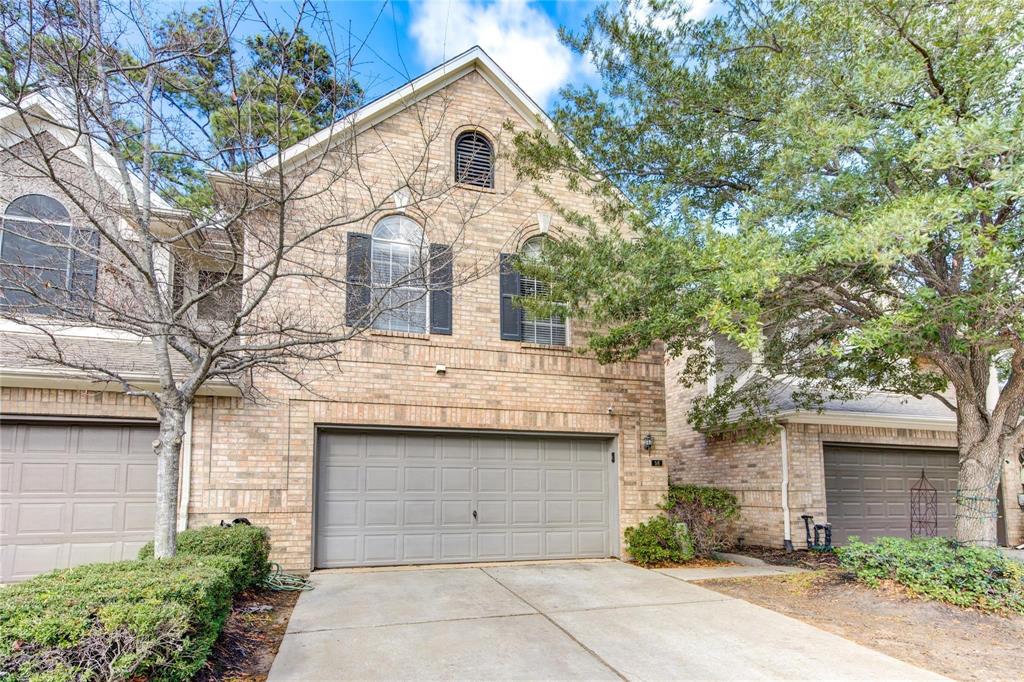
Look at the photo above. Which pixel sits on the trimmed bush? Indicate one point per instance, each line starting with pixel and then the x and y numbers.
pixel 659 541
pixel 708 514
pixel 939 568
pixel 251 544
pixel 155 620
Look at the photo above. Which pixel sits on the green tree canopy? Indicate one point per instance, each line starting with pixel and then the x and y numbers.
pixel 834 186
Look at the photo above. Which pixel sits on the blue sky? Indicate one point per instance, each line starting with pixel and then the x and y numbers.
pixel 404 38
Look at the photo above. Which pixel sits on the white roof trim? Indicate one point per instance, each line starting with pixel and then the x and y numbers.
pixel 473 59
pixel 72 380
pixel 868 419
pixel 47 112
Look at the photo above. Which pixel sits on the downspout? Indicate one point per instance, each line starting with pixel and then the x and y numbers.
pixel 186 472
pixel 787 529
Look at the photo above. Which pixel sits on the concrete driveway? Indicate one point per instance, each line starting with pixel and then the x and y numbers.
pixel 566 621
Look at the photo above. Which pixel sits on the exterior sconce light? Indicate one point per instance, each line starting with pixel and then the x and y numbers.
pixel 648 442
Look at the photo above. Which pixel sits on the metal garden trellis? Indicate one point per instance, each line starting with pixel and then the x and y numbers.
pixel 924 508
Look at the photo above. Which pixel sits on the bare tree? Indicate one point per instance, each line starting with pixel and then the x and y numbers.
pixel 215 238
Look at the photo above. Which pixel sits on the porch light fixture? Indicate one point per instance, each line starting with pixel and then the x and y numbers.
pixel 648 442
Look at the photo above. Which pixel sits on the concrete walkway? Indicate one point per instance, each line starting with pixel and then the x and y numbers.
pixel 566 621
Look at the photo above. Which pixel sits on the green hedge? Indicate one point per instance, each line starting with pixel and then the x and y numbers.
pixel 708 514
pixel 659 541
pixel 249 543
pixel 939 568
pixel 133 619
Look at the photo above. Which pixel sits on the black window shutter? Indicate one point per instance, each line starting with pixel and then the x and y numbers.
pixel 511 317
pixel 440 289
pixel 357 278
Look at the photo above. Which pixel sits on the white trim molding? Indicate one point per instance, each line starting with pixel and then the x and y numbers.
pixel 868 419
pixel 72 380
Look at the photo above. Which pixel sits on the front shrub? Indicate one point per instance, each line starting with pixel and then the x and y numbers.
pixel 250 544
pixel 939 568
pixel 708 514
pixel 659 541
pixel 153 620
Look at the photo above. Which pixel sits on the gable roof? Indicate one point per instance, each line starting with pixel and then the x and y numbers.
pixel 372 113
pixel 52 111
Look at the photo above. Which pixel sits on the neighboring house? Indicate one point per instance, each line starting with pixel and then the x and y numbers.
pixel 458 429
pixel 853 465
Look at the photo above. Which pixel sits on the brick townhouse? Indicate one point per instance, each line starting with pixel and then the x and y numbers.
pixel 852 464
pixel 460 430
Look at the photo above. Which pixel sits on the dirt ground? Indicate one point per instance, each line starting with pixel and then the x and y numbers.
pixel 960 643
pixel 803 558
pixel 251 637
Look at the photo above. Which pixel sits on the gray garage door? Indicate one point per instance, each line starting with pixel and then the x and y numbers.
pixel 386 498
pixel 73 494
pixel 868 489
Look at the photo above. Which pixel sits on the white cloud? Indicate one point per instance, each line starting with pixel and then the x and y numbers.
pixel 642 13
pixel 520 37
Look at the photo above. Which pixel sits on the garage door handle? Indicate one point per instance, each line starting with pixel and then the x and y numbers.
pixel 474 513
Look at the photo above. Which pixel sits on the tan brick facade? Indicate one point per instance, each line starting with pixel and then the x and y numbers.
pixel 753 471
pixel 257 459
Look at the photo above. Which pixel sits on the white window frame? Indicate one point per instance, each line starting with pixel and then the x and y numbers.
pixel 381 321
pixel 548 322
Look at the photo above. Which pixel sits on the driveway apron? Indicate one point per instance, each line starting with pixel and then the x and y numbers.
pixel 559 620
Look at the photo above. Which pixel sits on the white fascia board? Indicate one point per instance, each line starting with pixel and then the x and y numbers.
pixel 15 377
pixel 474 59
pixel 868 419
pixel 57 329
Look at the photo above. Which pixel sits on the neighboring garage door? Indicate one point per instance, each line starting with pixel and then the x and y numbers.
pixel 73 494
pixel 386 498
pixel 867 489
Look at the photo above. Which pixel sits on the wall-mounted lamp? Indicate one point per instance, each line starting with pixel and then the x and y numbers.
pixel 648 442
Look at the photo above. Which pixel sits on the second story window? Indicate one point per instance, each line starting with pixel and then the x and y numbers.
pixel 474 160
pixel 518 324
pixel 550 330
pixel 398 287
pixel 47 266
pixel 224 299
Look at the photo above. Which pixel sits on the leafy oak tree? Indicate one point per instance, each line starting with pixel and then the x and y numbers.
pixel 835 187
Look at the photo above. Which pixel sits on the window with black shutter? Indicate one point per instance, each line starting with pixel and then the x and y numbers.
pixel 47 264
pixel 474 160
pixel 546 330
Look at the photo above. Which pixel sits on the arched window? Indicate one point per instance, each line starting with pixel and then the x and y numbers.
pixel 397 277
pixel 45 262
pixel 549 330
pixel 474 160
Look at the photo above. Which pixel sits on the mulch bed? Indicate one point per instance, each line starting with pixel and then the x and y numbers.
pixel 251 637
pixel 804 558
pixel 965 644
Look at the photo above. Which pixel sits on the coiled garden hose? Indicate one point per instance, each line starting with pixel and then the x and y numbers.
pixel 285 582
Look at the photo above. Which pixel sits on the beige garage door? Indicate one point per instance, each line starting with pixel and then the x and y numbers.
pixel 73 494
pixel 394 498
pixel 867 489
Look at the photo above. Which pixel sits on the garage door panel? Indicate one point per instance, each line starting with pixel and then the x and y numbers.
pixel 533 498
pixel 140 479
pixel 868 489
pixel 43 477
pixel 96 478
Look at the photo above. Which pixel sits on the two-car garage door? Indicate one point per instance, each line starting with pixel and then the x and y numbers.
pixel 73 494
pixel 409 498
pixel 868 488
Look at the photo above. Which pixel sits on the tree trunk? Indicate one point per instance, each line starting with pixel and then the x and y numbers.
pixel 977 507
pixel 168 451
